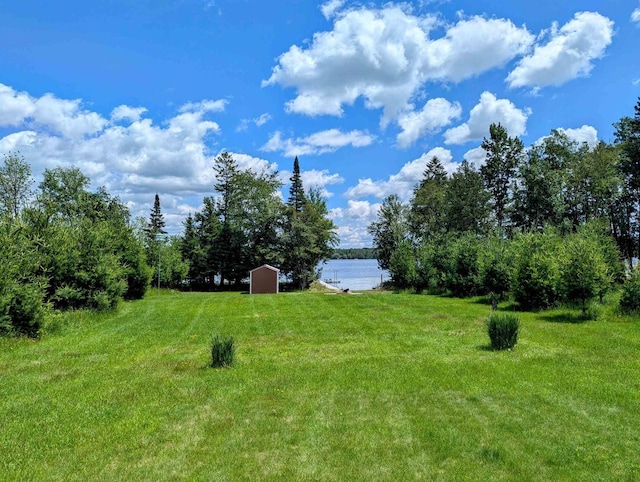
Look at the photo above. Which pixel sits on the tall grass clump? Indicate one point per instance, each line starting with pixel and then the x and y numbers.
pixel 503 330
pixel 222 351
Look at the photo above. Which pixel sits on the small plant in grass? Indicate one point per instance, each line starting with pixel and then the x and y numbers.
pixel 222 351
pixel 503 330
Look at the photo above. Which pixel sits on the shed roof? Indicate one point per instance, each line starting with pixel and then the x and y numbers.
pixel 265 266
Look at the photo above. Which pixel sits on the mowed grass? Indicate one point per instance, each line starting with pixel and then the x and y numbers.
pixel 370 387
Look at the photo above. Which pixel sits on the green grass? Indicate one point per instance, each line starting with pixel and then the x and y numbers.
pixel 370 387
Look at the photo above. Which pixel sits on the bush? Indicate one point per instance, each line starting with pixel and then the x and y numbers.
pixel 222 351
pixel 503 331
pixel 537 273
pixel 21 309
pixel 630 299
pixel 463 277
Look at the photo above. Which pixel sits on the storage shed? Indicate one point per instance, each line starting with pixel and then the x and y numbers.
pixel 264 280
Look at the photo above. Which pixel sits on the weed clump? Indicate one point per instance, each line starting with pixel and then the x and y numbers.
pixel 222 351
pixel 503 330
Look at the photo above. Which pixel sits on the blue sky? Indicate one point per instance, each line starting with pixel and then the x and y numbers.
pixel 142 95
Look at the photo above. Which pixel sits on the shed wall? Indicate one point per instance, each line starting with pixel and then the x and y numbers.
pixel 264 280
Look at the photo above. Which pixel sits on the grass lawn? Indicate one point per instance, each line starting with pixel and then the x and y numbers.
pixel 370 387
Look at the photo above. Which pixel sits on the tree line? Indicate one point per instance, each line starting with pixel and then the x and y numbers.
pixel 63 246
pixel 530 222
pixel 247 224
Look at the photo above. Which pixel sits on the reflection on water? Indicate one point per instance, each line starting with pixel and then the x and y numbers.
pixel 354 274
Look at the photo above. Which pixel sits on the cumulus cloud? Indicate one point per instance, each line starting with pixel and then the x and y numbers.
pixel 315 179
pixel 316 144
pixel 404 181
pixel 353 221
pixel 568 54
pixel 635 15
pixel 490 110
pixel 475 45
pixel 476 156
pixel 132 159
pixel 585 134
pixel 435 114
pixel 61 116
pixel 330 8
pixel 386 55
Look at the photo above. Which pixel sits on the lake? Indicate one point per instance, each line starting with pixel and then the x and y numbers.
pixel 355 274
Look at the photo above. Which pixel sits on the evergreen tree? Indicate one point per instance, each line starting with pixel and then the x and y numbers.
pixel 503 157
pixel 308 234
pixel 540 199
pixel 427 215
pixel 230 239
pixel 156 220
pixel 191 252
pixel 466 202
pixel 296 191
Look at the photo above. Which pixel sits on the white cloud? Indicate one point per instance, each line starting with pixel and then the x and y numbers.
pixel 353 222
pixel 568 54
pixel 125 112
pixel 435 114
pixel 258 121
pixel 319 143
pixel 476 156
pixel 583 134
pixel 133 160
pixel 330 8
pixel 635 15
pixel 255 164
pixel 205 106
pixel 385 56
pixel 60 116
pixel 404 181
pixel 490 110
pixel 475 45
pixel 315 179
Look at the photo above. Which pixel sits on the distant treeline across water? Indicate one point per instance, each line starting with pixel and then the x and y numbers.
pixel 355 253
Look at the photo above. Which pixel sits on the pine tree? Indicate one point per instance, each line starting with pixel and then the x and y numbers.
pixel 296 191
pixel 503 157
pixel 308 233
pixel 466 201
pixel 427 205
pixel 156 220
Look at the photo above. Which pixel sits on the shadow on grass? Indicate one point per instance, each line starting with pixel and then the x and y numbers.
pixel 502 306
pixel 571 318
pixel 486 347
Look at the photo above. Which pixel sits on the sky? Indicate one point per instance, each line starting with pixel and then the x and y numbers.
pixel 143 95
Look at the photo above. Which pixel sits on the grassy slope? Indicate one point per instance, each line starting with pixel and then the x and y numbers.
pixel 364 387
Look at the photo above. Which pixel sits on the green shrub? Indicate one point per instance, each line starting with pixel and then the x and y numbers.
pixel 21 309
pixel 537 270
pixel 630 299
pixel 222 351
pixel 593 312
pixel 503 330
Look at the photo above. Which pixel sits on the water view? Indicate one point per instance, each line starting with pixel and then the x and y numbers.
pixel 355 274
